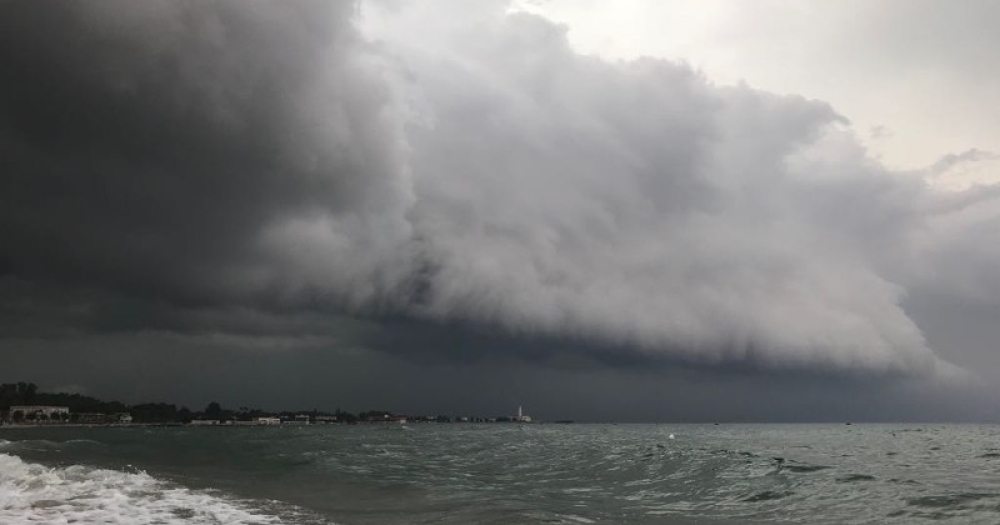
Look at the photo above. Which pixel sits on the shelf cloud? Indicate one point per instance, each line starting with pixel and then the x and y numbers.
pixel 269 169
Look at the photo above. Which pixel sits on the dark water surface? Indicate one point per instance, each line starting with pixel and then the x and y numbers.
pixel 503 473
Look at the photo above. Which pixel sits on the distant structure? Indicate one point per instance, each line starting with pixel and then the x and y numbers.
pixel 521 418
pixel 57 415
pixel 268 421
pixel 92 418
pixel 38 414
pixel 299 419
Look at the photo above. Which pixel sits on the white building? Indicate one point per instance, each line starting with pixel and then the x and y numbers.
pixel 268 421
pixel 38 413
pixel 521 418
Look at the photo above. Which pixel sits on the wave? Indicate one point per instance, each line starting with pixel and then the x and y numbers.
pixel 767 495
pixel 852 478
pixel 31 445
pixel 951 501
pixel 33 493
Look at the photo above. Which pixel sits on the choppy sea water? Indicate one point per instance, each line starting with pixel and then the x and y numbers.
pixel 502 473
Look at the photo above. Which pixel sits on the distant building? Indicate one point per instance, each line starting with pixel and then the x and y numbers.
pixel 521 418
pixel 92 418
pixel 299 419
pixel 204 422
pixel 267 421
pixel 124 418
pixel 38 414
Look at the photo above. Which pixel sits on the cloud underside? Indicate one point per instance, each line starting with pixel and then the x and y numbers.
pixel 264 169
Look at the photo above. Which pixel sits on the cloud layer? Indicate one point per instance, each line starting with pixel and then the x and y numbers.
pixel 264 159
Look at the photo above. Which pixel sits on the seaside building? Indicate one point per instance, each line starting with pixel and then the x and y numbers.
pixel 521 418
pixel 38 414
pixel 92 418
pixel 267 421
pixel 55 415
pixel 299 419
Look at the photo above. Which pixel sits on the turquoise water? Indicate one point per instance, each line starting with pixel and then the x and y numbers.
pixel 503 473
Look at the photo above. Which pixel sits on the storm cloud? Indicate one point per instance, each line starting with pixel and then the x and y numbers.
pixel 269 170
pixel 151 148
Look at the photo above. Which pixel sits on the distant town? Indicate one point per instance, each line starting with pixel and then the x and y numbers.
pixel 22 404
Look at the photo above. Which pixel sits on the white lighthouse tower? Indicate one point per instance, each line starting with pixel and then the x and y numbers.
pixel 521 418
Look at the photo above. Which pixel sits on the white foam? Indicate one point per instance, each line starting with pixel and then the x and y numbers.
pixel 33 493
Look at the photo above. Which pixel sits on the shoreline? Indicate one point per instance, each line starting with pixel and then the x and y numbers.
pixel 89 425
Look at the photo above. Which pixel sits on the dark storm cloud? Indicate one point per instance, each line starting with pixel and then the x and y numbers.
pixel 637 205
pixel 458 188
pixel 147 145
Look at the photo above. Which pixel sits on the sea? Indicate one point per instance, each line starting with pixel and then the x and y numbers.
pixel 502 474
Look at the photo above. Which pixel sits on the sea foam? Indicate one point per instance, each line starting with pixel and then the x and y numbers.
pixel 33 493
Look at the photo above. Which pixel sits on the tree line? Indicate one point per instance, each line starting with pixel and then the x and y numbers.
pixel 80 406
pixel 22 393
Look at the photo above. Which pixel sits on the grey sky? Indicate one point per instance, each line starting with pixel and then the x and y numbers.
pixel 918 73
pixel 409 204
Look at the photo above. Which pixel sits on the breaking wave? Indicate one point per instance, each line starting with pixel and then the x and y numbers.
pixel 34 493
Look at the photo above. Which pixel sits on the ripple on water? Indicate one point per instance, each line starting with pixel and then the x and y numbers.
pixel 767 495
pixel 853 478
pixel 804 467
pixel 949 501
pixel 904 481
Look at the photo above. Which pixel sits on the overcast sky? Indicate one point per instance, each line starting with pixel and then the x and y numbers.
pixel 914 77
pixel 629 210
